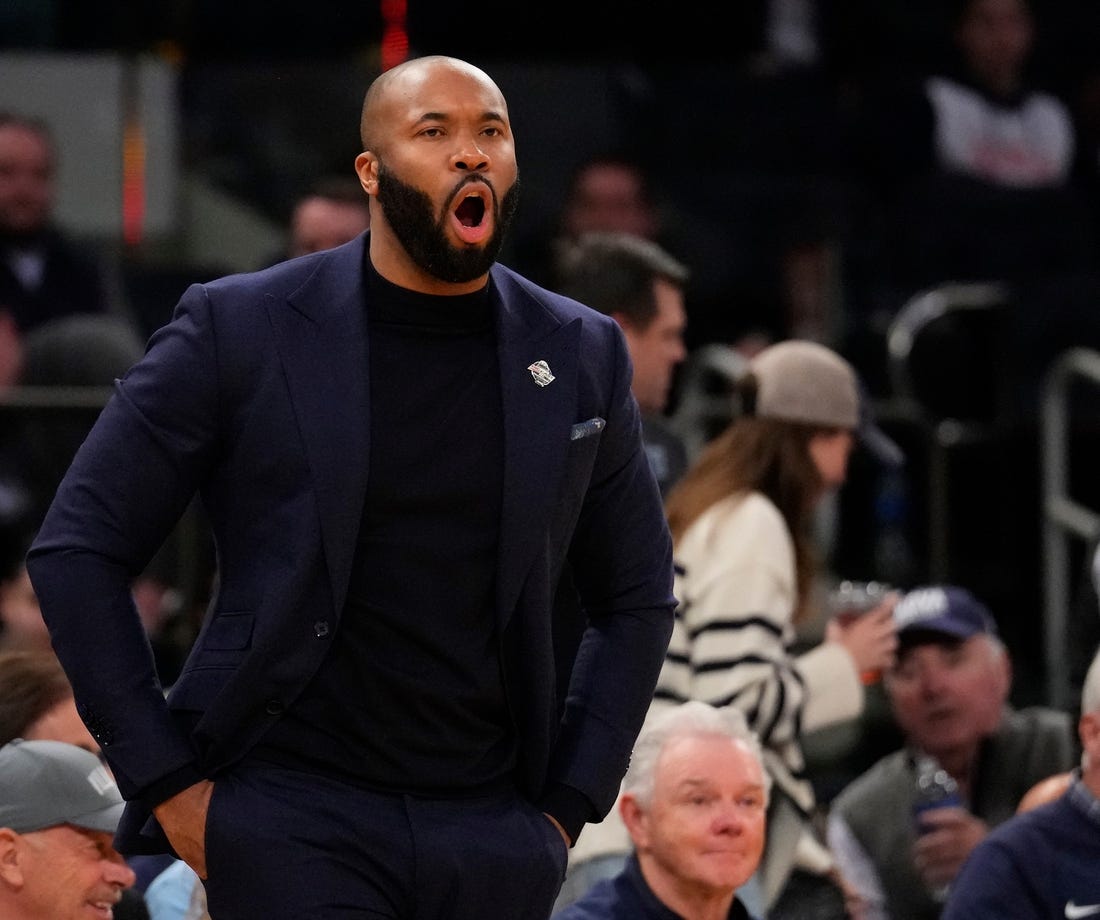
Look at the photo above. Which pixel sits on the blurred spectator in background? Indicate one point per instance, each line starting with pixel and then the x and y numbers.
pixel 21 623
pixel 36 701
pixel 604 193
pixel 170 628
pixel 978 115
pixel 694 800
pixel 614 192
pixel 641 287
pixel 76 351
pixel 970 172
pixel 995 198
pixel 43 273
pixel 949 693
pixel 742 522
pixel 332 212
pixel 988 120
pixel 610 193
pixel 1043 863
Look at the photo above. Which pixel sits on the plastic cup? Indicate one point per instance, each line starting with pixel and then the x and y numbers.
pixel 850 600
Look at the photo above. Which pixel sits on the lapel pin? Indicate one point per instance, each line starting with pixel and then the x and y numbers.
pixel 540 370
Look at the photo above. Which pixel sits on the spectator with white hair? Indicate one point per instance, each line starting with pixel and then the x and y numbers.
pixel 694 800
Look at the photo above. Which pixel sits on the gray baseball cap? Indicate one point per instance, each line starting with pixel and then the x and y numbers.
pixel 46 783
pixel 802 381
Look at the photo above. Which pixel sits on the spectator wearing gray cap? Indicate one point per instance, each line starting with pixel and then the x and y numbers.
pixel 742 519
pixel 949 694
pixel 59 809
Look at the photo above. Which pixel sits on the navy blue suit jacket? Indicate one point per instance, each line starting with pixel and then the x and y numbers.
pixel 255 396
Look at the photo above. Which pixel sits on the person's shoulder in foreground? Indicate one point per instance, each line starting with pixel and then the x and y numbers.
pixel 59 809
pixel 694 802
pixel 1043 862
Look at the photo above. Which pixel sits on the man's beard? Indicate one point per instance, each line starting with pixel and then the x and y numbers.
pixel 411 217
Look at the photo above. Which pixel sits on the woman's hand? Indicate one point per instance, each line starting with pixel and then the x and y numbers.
pixel 870 638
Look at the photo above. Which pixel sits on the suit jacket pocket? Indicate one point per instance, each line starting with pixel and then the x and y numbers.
pixel 587 428
pixel 229 632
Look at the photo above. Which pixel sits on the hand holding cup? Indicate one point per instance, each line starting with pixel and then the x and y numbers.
pixel 862 620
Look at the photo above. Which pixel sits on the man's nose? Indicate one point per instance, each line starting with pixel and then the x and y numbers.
pixel 471 158
pixel 118 872
pixel 729 820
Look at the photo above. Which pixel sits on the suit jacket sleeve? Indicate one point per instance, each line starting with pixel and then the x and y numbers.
pixel 621 558
pixel 128 485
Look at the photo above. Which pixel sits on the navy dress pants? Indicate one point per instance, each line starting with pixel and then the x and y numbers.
pixel 287 845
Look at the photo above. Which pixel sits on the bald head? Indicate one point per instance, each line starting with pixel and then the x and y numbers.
pixel 403 82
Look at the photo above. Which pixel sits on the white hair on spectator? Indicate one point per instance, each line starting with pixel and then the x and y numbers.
pixel 688 720
pixel 1090 692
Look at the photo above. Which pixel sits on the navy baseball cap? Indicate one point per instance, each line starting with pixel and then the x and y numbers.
pixel 945 610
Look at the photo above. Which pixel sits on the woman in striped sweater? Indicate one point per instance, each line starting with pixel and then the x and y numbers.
pixel 742 521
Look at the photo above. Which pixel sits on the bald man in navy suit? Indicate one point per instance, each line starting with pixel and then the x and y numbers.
pixel 402 446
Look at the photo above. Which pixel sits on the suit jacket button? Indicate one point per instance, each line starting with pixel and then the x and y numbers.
pixel 320 629
pixel 273 707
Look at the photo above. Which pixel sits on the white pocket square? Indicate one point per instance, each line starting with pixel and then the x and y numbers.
pixel 584 429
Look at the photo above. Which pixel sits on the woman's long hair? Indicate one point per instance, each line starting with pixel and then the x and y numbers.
pixel 765 455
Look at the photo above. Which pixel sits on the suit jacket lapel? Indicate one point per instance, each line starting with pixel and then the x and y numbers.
pixel 537 421
pixel 320 332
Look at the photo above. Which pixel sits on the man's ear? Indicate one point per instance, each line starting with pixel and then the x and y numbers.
pixel 366 167
pixel 11 869
pixel 636 820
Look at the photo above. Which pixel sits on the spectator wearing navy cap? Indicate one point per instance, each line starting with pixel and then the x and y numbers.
pixel 948 692
pixel 59 809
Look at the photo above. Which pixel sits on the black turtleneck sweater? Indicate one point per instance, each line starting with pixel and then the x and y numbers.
pixel 411 697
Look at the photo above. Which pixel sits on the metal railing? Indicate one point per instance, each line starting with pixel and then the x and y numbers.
pixel 1063 518
pixel 945 434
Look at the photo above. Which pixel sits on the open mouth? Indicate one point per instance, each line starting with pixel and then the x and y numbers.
pixel 470 211
pixel 471 215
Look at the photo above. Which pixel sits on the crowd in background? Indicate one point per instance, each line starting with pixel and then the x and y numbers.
pixel 805 164
pixel 807 171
